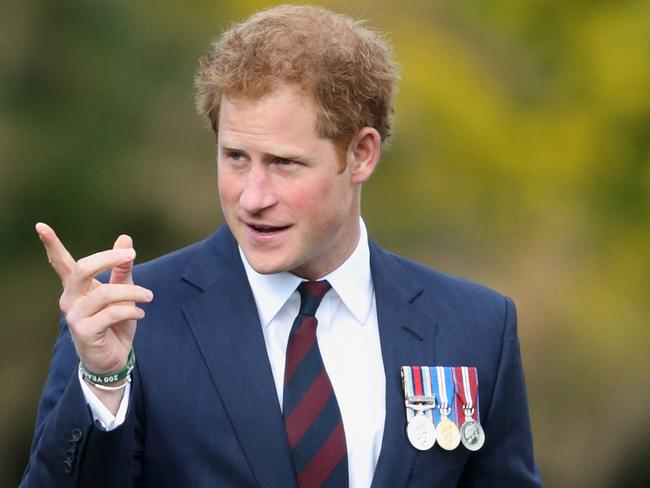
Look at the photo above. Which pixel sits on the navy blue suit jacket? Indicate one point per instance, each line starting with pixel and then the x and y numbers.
pixel 204 411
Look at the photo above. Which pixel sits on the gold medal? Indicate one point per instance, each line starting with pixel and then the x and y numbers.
pixel 447 434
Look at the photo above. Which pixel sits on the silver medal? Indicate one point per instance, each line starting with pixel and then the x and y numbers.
pixel 421 432
pixel 472 435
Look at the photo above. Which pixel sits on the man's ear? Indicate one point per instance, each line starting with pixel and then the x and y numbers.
pixel 363 154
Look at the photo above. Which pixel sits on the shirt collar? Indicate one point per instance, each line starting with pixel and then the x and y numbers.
pixel 351 281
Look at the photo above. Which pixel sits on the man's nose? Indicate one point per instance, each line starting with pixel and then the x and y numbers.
pixel 257 193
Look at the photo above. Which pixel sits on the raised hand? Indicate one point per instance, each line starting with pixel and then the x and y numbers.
pixel 101 316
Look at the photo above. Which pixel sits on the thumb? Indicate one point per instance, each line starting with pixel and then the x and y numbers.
pixel 121 274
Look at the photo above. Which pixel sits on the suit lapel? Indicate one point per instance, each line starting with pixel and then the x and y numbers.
pixel 225 324
pixel 406 337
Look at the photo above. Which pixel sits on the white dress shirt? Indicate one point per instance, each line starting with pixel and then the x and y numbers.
pixel 348 338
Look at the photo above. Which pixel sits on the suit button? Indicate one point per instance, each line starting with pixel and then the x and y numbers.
pixel 76 434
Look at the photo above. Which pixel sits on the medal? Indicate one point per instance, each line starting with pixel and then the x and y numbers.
pixel 421 432
pixel 447 433
pixel 471 433
pixel 419 402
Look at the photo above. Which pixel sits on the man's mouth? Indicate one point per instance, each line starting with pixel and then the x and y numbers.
pixel 267 229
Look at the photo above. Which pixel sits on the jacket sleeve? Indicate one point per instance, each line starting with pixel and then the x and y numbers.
pixel 506 460
pixel 68 450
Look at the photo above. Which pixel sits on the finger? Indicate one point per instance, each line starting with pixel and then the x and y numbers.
pixel 58 256
pixel 81 279
pixel 95 326
pixel 106 295
pixel 122 273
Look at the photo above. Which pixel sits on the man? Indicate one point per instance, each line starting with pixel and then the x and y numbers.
pixel 227 381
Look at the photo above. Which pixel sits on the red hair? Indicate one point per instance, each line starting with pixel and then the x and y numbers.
pixel 343 65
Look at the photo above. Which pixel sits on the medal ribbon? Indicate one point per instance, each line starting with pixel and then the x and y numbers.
pixel 417 382
pixel 428 391
pixel 407 382
pixel 466 380
pixel 443 381
pixel 451 395
pixel 440 387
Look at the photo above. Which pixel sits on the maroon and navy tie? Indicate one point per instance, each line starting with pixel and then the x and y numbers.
pixel 311 413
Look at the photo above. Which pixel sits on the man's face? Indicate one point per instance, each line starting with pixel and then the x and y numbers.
pixel 282 192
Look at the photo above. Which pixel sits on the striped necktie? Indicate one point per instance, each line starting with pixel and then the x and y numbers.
pixel 311 413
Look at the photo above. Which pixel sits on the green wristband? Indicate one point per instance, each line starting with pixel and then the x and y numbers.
pixel 108 378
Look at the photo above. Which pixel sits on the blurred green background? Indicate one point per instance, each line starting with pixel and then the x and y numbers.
pixel 521 159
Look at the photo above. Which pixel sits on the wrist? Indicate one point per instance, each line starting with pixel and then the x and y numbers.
pixel 112 387
pixel 103 402
pixel 115 380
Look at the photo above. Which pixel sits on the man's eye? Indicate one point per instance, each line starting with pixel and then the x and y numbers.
pixel 236 156
pixel 285 161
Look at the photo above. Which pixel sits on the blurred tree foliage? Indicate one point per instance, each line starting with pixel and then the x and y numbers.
pixel 521 159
